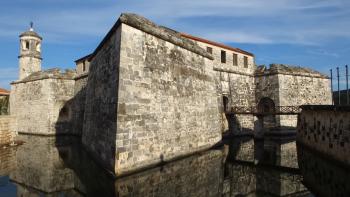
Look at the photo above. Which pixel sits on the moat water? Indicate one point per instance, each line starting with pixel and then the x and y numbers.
pixel 46 166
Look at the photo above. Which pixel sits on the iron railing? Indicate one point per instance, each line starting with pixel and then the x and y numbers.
pixel 278 110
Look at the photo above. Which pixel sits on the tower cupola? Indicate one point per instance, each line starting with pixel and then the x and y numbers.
pixel 30 53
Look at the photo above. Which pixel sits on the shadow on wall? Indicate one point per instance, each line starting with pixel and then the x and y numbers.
pixel 71 115
pixel 72 121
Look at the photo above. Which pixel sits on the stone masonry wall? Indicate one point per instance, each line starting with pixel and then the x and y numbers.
pixel 326 129
pixel 291 86
pixel 167 104
pixel 302 90
pixel 236 82
pixel 6 134
pixel 37 106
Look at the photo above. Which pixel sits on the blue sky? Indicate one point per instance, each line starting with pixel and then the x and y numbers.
pixel 312 33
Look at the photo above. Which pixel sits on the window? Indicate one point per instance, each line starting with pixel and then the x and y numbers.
pixel 27 45
pixel 210 50
pixel 84 67
pixel 223 56
pixel 245 62
pixel 234 60
pixel 38 46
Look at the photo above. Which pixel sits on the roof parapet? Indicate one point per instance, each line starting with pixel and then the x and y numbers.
pixel 288 70
pixel 149 27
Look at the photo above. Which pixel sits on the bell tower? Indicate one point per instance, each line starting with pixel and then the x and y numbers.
pixel 30 53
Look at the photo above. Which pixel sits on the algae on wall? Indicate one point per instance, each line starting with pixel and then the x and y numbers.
pixel 4 105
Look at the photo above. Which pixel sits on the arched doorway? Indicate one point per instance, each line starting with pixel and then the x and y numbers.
pixel 267 106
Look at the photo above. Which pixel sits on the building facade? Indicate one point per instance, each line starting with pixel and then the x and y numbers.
pixel 149 94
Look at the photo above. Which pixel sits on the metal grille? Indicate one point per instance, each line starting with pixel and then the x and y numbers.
pixel 278 110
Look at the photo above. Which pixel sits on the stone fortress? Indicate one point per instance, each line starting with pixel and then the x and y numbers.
pixel 149 94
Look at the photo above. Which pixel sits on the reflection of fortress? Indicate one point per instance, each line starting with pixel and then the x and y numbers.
pixel 149 93
pixel 60 167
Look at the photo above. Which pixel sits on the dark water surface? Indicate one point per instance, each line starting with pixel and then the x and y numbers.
pixel 47 166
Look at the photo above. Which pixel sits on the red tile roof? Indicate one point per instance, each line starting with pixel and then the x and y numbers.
pixel 216 44
pixel 4 92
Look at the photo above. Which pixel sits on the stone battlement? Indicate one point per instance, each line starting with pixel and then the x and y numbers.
pixel 288 70
pixel 147 26
pixel 54 73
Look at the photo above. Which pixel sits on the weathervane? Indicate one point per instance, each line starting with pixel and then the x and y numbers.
pixel 31 26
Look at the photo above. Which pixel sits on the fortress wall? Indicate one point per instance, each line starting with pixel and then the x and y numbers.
pixel 167 102
pixel 36 106
pixel 267 86
pixel 236 82
pixel 296 90
pixel 241 93
pixel 326 129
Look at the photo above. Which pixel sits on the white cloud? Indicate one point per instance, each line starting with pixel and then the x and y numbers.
pixel 268 21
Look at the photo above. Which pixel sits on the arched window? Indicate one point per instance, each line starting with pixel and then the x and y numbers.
pixel 266 105
pixel 26 45
pixel 38 46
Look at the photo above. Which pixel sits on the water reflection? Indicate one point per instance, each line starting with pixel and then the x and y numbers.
pixel 323 176
pixel 47 166
pixel 275 151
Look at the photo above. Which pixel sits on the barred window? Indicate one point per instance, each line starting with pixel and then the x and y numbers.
pixel 223 56
pixel 235 57
pixel 245 62
pixel 210 50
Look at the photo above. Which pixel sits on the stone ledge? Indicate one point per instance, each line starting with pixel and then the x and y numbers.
pixel 149 27
pixel 81 76
pixel 288 70
pixel 232 71
pixel 54 73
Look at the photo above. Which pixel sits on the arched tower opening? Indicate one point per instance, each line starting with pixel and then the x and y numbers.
pixel 267 106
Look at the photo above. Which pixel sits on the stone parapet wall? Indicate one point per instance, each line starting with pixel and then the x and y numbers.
pixel 325 129
pixel 6 133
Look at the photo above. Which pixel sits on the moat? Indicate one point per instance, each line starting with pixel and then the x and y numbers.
pixel 47 166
